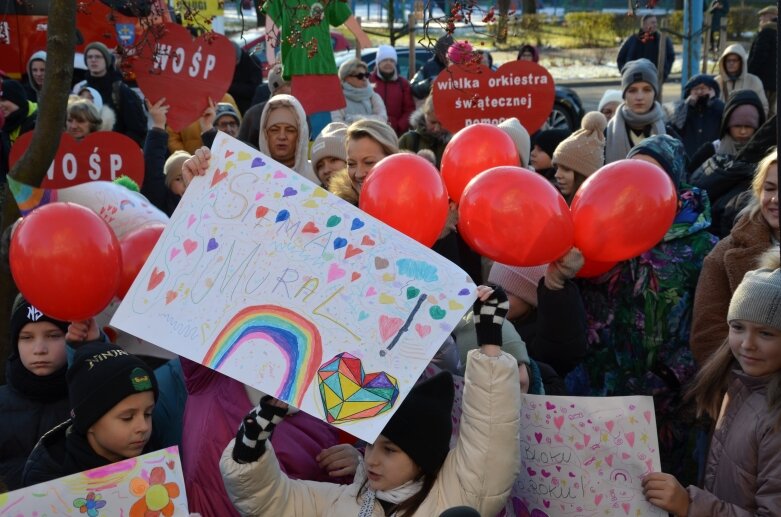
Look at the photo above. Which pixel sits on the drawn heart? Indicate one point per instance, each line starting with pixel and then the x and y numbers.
pixel 335 273
pixel 339 242
pixel 387 299
pixel 356 224
pixel 422 330
pixel 538 437
pixel 155 278
pixel 257 162
pixel 320 192
pixel 356 275
pixel 630 437
pixel 282 215
pixel 412 292
pixel 310 227
pixel 280 175
pixel 558 438
pixel 259 196
pixel 531 471
pixel 170 296
pixel 371 291
pixel 454 305
pixel 260 211
pixel 352 251
pixel 348 393
pixel 363 315
pixel 170 464
pixel 244 156
pixel 389 326
pixel 228 153
pixel 169 73
pixel 437 312
pixel 380 263
pixel 609 459
pixel 501 84
pixel 558 421
pixel 333 221
pixel 647 415
pixel 463 292
pixel 191 220
pixel 610 424
pixel 546 503
pixel 212 245
pixel 189 246
pixel 597 499
pixel 549 406
pixel 367 241
pixel 579 446
pixel 586 439
pixel 545 473
pixel 626 507
pixel 625 456
pixel 289 191
pixel 173 253
pixel 571 474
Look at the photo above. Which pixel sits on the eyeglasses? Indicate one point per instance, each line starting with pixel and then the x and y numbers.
pixel 360 76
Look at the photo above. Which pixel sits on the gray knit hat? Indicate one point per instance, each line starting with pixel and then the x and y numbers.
pixel 758 298
pixel 103 49
pixel 381 132
pixel 639 70
pixel 520 137
pixel 331 142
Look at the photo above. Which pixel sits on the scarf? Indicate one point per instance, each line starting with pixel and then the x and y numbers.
pixel 388 78
pixel 43 388
pixel 80 456
pixel 618 143
pixel 729 146
pixel 395 496
pixel 359 100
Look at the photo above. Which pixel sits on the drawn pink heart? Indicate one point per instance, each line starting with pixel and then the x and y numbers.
pixel 538 437
pixel 558 421
pixel 545 473
pixel 335 273
pixel 572 474
pixel 189 246
pixel 531 471
pixel 630 437
pixel 586 439
pixel 609 459
pixel 558 438
pixel 626 507
pixel 279 175
pixel 609 424
pixel 174 253
pixel 190 220
pixel 371 291
pixel 597 499
pixel 558 468
pixel 259 195
pixel 549 406
pixel 389 326
pixel 625 456
pixel 647 415
pixel 579 446
pixel 423 330
pixel 546 503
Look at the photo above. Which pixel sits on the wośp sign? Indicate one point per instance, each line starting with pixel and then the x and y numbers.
pixel 100 156
pixel 186 71
pixel 466 95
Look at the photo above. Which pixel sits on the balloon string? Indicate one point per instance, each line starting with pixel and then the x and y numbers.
pixel 406 325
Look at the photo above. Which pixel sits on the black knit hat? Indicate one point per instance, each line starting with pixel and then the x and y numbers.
pixel 13 91
pixel 422 426
pixel 23 313
pixel 100 377
pixel 550 139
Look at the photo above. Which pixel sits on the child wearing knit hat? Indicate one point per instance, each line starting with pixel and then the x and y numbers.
pixel 329 151
pixel 409 470
pixel 743 470
pixel 545 142
pixel 515 130
pixel 580 155
pixel 35 396
pixel 112 395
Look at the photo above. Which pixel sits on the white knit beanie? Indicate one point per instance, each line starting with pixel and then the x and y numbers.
pixel 386 52
pixel 758 298
pixel 513 127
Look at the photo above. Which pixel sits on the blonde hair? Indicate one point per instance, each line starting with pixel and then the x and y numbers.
pixel 350 66
pixel 757 184
pixel 378 131
pixel 84 110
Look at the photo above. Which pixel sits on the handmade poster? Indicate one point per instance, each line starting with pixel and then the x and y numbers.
pixel 152 484
pixel 123 209
pixel 585 456
pixel 103 155
pixel 186 71
pixel 473 94
pixel 273 281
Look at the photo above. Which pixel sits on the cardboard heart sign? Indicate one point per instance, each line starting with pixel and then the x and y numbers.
pixel 470 95
pixel 186 71
pixel 100 156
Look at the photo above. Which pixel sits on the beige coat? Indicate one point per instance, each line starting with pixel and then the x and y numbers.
pixel 743 470
pixel 722 271
pixel 745 80
pixel 478 472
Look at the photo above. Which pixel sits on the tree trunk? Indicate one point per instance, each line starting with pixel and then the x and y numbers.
pixel 529 6
pixel 32 167
pixel 503 8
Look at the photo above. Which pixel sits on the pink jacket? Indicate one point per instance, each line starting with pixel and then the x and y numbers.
pixel 215 407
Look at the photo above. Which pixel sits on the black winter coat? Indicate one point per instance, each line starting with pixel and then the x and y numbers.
pixel 131 118
pixel 762 56
pixel 153 188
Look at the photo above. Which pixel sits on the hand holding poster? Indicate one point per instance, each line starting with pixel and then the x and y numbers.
pixel 476 94
pixel 100 156
pixel 585 456
pixel 176 63
pixel 275 282
pixel 134 487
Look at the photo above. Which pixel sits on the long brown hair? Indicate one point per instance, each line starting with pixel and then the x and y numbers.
pixel 409 506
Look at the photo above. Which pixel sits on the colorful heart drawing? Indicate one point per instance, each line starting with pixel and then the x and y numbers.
pixel 610 424
pixel 454 305
pixel 558 421
pixel 647 414
pixel 189 246
pixel 371 291
pixel 367 241
pixel 244 156
pixel 228 153
pixel 609 460
pixel 310 227
pixel 320 192
pixel 259 196
pixel 191 220
pixel 380 263
pixel 335 273
pixel 289 191
pixel 412 292
pixel 352 251
pixel 531 471
pixel 437 312
pixel 387 299
pixel 155 278
pixel 173 253
pixel 597 499
pixel 355 276
pixel 463 292
pixel 282 215
pixel 626 507
pixel 630 437
pixel 212 245
pixel 218 177
pixel 389 326
pixel 356 224
pixel 279 175
pixel 170 296
pixel 549 406
pixel 558 438
pixel 538 437
pixel 333 221
pixel 257 162
pixel 260 212
pixel 339 243
pixel 422 330
pixel 546 503
pixel 362 315
pixel 348 393
pixel 545 473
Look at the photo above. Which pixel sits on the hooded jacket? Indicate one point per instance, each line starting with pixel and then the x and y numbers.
pixel 302 165
pixel 397 96
pixel 744 81
pixel 32 89
pixel 489 435
pixel 418 137
pixel 698 124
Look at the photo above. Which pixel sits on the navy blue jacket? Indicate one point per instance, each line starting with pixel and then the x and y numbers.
pixel 634 48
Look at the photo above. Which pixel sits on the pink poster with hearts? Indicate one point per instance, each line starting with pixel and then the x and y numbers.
pixel 269 279
pixel 585 456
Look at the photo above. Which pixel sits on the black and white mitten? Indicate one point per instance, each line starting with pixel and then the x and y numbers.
pixel 255 429
pixel 489 316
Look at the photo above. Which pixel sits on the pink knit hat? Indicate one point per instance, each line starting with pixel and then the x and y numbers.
pixel 519 281
pixel 460 52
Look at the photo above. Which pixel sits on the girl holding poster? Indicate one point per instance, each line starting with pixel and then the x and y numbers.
pixel 409 470
pixel 743 470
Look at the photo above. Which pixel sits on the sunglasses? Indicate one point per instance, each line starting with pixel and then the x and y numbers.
pixel 360 76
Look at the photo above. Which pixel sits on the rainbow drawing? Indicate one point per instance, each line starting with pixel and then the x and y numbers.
pixel 296 337
pixel 29 198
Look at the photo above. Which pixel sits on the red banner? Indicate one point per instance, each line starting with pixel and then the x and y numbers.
pixel 186 71
pixel 476 94
pixel 101 156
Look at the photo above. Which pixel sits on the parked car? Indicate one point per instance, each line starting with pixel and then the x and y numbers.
pixel 254 42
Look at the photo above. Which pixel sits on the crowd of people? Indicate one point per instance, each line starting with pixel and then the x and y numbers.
pixel 694 322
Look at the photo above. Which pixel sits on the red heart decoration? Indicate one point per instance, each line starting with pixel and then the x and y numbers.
pixel 100 156
pixel 176 63
pixel 469 95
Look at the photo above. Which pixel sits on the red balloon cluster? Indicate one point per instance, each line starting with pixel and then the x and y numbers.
pixel 400 190
pixel 473 150
pixel 66 261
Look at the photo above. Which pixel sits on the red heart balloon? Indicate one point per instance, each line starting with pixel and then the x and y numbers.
pixel 66 261
pixel 516 217
pixel 100 156
pixel 623 210
pixel 186 71
pixel 466 95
